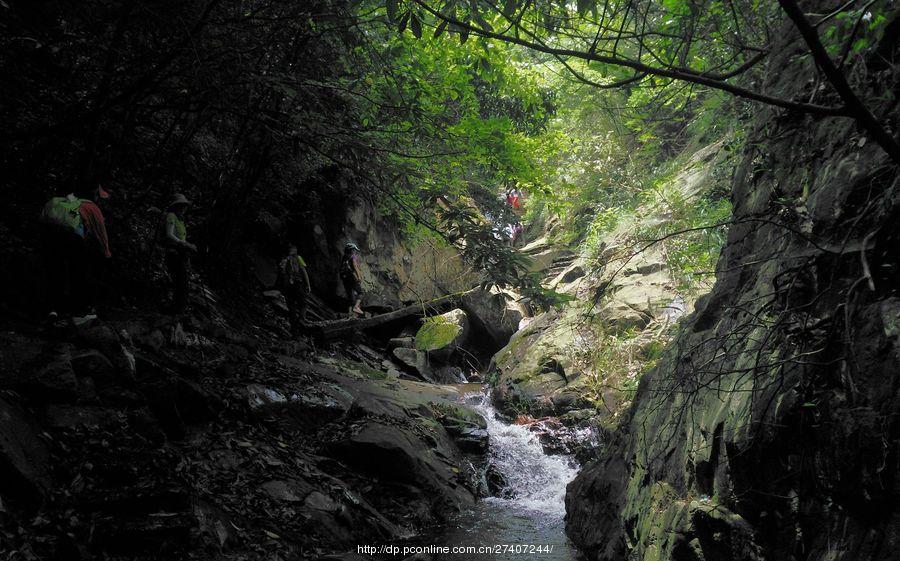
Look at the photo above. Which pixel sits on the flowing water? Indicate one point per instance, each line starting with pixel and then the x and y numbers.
pixel 526 522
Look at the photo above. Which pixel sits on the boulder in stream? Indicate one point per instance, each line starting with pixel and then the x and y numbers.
pixel 443 334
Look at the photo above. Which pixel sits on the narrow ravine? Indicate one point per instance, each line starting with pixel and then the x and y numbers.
pixel 527 520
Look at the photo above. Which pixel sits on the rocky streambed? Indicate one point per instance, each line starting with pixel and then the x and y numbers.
pixel 524 516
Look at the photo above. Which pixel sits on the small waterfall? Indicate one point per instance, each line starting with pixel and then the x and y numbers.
pixel 535 482
pixel 531 509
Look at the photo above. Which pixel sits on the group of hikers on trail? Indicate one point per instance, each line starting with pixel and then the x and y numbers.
pixel 511 231
pixel 293 282
pixel 76 246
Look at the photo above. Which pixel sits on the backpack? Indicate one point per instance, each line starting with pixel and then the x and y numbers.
pixel 347 271
pixel 62 212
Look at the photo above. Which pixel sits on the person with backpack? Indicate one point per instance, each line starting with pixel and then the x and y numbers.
pixel 352 277
pixel 76 246
pixel 178 250
pixel 294 284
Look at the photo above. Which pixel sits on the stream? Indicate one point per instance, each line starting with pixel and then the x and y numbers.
pixel 530 511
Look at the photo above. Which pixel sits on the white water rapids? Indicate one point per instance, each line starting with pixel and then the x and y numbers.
pixel 535 482
pixel 530 511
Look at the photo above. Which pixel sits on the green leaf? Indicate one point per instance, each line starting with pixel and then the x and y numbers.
pixel 416 26
pixel 401 27
pixel 584 6
pixel 440 28
pixel 483 23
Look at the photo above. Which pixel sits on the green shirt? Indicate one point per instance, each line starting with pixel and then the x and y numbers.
pixel 293 269
pixel 180 229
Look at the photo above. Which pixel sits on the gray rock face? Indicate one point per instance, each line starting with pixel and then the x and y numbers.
pixel 763 432
pixel 537 371
pixel 415 361
pixel 396 455
pixel 24 460
pixel 490 313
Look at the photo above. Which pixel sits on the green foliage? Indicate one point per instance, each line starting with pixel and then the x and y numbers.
pixel 621 360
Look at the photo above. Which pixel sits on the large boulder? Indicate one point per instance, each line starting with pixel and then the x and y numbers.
pixel 641 291
pixel 400 456
pixel 414 361
pixel 444 334
pixel 492 313
pixel 538 371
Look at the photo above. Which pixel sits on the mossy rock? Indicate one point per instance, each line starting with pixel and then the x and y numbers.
pixel 445 330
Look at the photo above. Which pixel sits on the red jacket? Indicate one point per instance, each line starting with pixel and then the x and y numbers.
pixel 94 225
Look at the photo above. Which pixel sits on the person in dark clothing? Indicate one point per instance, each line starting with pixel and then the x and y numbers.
pixel 295 286
pixel 178 250
pixel 352 277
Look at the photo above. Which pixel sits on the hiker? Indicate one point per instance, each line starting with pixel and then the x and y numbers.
pixel 517 232
pixel 178 250
pixel 516 200
pixel 294 284
pixel 352 277
pixel 76 246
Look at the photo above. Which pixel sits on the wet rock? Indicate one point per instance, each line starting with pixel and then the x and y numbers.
pixel 496 483
pixel 537 370
pixel 449 375
pixel 306 409
pixel 291 491
pixel 467 428
pixel 473 440
pixel 558 439
pixel 24 459
pixel 415 361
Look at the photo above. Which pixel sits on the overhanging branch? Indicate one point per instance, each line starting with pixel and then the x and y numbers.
pixel 681 74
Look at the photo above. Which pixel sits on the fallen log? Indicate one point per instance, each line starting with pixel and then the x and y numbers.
pixel 336 329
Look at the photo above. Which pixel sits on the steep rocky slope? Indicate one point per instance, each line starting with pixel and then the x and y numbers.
pixel 551 366
pixel 141 438
pixel 769 429
pixel 214 435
